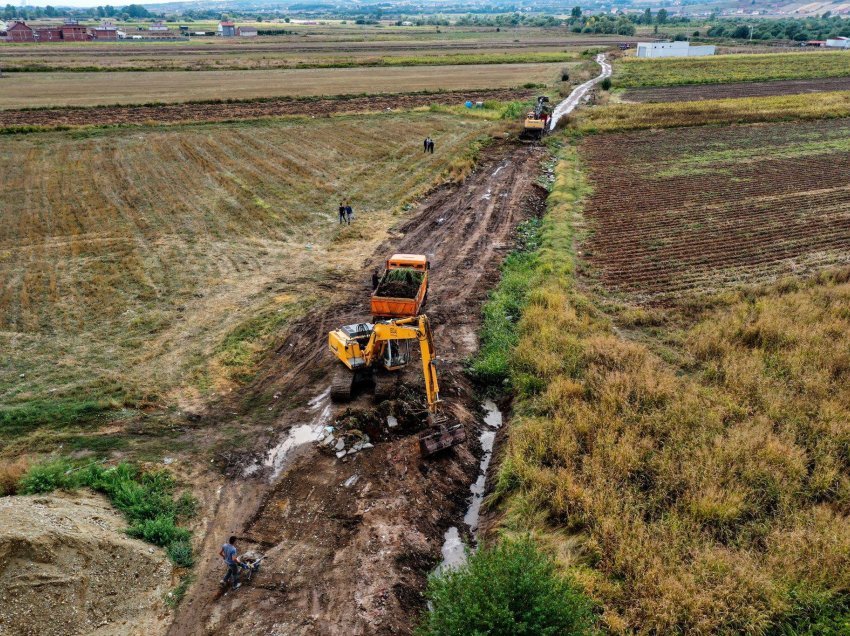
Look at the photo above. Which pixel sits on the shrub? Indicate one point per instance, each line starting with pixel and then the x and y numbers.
pixel 180 552
pixel 606 84
pixel 565 75
pixel 160 531
pixel 10 476
pixel 56 475
pixel 509 590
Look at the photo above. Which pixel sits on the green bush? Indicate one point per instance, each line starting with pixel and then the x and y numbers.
pixel 509 590
pixel 606 84
pixel 180 552
pixel 160 531
pixel 56 475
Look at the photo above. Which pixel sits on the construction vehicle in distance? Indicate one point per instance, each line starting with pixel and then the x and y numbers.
pixel 536 120
pixel 371 353
pixel 403 288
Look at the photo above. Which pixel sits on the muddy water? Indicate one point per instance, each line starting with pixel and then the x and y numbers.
pixel 454 550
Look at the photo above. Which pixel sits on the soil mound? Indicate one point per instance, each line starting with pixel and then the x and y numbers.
pixel 66 567
pixel 400 283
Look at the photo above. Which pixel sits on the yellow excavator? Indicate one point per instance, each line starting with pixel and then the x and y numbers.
pixel 373 352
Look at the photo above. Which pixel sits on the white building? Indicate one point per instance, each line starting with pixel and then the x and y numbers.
pixel 672 49
pixel 838 43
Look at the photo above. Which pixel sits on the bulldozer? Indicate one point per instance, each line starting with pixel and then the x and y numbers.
pixel 534 126
pixel 372 353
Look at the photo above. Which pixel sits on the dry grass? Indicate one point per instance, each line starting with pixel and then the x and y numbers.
pixel 147 266
pixel 11 472
pixel 87 89
pixel 707 495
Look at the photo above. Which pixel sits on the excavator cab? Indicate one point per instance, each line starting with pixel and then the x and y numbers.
pixel 369 351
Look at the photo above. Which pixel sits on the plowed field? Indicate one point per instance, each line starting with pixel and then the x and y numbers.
pixel 696 210
pixel 737 89
pixel 173 113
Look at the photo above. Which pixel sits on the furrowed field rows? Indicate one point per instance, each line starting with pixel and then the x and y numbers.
pixel 716 208
pixel 700 92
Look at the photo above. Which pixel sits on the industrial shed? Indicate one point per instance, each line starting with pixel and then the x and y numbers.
pixel 672 49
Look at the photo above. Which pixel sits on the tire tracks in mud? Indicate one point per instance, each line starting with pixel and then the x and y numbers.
pixel 354 560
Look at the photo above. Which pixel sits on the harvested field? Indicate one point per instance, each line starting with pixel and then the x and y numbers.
pixel 28 90
pixel 692 93
pixel 148 267
pixel 632 72
pixel 274 107
pixel 691 211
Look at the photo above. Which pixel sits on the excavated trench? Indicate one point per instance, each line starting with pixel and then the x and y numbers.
pixel 351 536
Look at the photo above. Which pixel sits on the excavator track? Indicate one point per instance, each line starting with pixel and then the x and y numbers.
pixel 342 385
pixel 385 385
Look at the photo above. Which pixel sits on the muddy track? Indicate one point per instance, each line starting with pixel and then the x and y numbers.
pixel 353 560
pixel 208 112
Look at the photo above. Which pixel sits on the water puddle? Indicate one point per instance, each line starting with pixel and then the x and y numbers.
pixel 454 550
pixel 297 436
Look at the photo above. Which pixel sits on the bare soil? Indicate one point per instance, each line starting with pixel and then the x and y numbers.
pixel 698 93
pixel 176 113
pixel 353 559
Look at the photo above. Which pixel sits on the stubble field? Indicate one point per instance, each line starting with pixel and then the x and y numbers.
pixel 145 267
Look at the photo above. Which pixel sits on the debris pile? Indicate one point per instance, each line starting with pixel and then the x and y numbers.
pixel 403 282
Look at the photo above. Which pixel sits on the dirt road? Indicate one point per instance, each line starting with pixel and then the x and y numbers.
pixel 350 541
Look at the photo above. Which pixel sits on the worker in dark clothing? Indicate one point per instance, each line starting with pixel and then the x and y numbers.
pixel 426 144
pixel 233 563
pixel 341 213
pixel 431 145
pixel 349 213
pixel 375 279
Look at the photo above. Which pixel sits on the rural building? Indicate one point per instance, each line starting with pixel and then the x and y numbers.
pixel 672 49
pixel 105 32
pixel 158 26
pixel 227 29
pixel 247 32
pixel 19 32
pixel 48 34
pixel 74 32
pixel 838 43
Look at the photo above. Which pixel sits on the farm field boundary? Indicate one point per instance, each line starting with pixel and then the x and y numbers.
pixel 264 62
pixel 700 92
pixel 88 89
pixel 632 72
pixel 620 117
pixel 39 118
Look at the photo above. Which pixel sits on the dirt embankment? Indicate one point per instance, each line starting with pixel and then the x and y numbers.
pixel 350 541
pixel 203 112
pixel 66 567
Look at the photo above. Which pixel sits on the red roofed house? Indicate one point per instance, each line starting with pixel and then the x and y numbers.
pixel 19 32
pixel 227 29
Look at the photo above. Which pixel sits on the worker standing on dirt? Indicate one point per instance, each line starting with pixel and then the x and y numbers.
pixel 341 213
pixel 231 559
pixel 426 144
pixel 430 145
pixel 375 279
pixel 349 213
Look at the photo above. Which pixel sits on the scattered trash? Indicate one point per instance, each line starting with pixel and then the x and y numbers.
pixel 351 481
pixel 392 422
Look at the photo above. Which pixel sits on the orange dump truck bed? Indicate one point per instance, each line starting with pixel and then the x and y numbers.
pixel 402 307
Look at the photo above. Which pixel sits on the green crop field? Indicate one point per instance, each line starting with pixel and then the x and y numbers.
pixel 632 72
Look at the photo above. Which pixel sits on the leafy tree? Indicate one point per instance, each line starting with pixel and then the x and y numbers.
pixel 576 12
pixel 647 16
pixel 509 590
pixel 136 11
pixel 661 16
pixel 50 12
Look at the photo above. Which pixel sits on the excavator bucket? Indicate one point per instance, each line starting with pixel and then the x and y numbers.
pixel 441 436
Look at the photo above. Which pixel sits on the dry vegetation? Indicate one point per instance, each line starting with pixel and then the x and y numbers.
pixel 614 117
pixel 143 267
pixel 86 89
pixel 694 476
pixel 700 92
pixel 632 72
